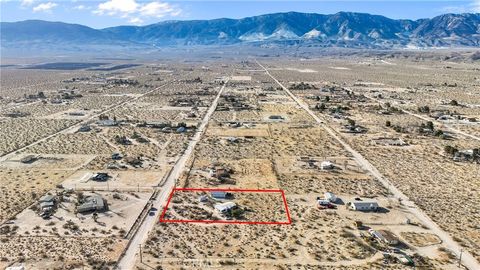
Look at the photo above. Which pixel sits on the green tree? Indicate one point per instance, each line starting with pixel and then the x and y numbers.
pixel 430 125
pixel 351 122
pixel 424 109
pixel 454 102
pixel 450 150
pixel 237 213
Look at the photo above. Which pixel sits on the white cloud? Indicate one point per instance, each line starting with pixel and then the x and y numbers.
pixel 81 7
pixel 135 11
pixel 476 6
pixel 114 7
pixel 26 3
pixel 158 9
pixel 473 6
pixel 455 9
pixel 44 7
pixel 135 20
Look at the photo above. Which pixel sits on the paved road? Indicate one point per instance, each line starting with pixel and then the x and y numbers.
pixel 128 260
pixel 467 259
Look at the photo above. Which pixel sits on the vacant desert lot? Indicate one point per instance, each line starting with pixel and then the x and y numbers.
pixel 17 133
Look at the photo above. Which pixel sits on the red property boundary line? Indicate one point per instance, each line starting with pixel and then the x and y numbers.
pixel 225 221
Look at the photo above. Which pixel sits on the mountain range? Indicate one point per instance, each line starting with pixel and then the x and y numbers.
pixel 343 29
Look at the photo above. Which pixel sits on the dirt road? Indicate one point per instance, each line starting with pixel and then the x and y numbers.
pixel 467 259
pixel 449 128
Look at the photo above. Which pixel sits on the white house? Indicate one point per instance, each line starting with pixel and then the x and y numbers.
pixel 326 165
pixel 223 207
pixel 363 205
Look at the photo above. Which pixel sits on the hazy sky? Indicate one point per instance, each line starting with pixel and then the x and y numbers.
pixel 105 13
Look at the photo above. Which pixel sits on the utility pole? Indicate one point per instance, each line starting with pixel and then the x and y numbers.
pixel 140 253
pixel 460 258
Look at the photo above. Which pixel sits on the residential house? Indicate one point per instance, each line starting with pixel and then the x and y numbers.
pixel 363 205
pixel 224 207
pixel 92 203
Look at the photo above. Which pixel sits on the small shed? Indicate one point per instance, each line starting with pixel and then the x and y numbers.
pixel 329 196
pixel 219 172
pixel 47 198
pixel 84 128
pixel 47 204
pixel 117 156
pixel 107 123
pixel 389 237
pixel 181 129
pixel 232 139
pixel 220 194
pixel 276 117
pixel 384 236
pixel 29 159
pixel 102 177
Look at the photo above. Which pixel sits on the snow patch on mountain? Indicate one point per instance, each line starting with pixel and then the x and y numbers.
pixel 314 33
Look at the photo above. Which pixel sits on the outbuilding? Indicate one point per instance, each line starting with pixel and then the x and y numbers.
pixel 102 177
pixel 117 156
pixel 220 194
pixel 84 128
pixel 47 198
pixel 47 202
pixel 107 123
pixel 329 196
pixel 384 236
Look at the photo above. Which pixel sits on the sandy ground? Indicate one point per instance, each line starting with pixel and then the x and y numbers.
pixel 16 133
pixel 119 180
pixel 259 207
pixel 316 239
pixel 269 154
pixel 123 209
pixel 20 188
